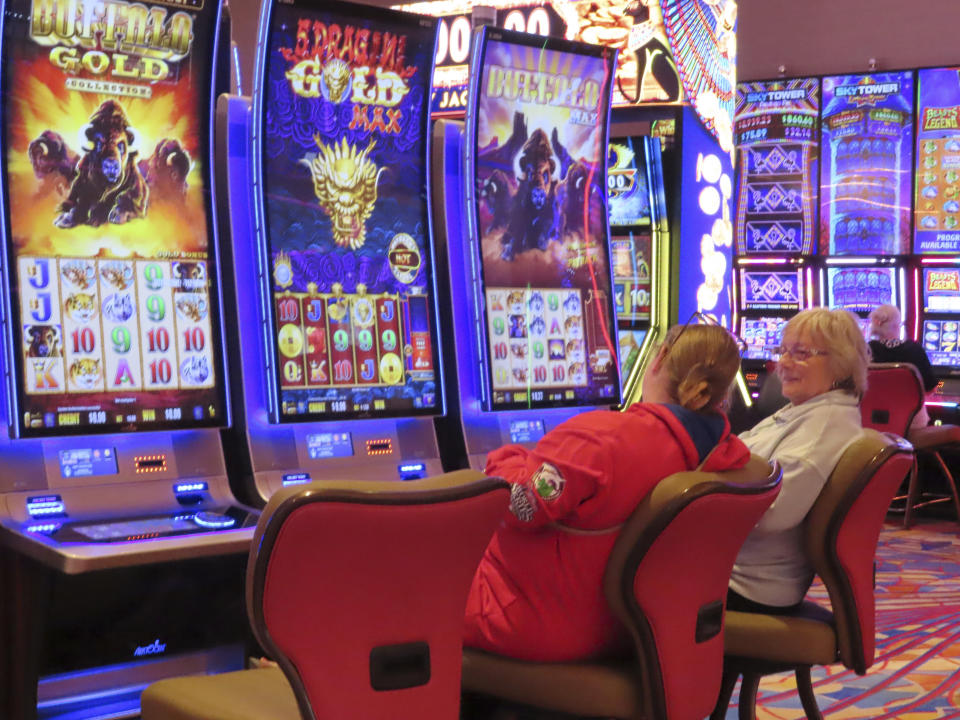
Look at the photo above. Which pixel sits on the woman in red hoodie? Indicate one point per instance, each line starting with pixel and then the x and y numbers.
pixel 538 593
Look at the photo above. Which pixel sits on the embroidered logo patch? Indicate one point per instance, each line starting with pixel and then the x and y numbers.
pixel 522 505
pixel 548 482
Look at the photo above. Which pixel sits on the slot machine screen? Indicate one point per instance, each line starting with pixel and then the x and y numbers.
pixel 343 157
pixel 867 176
pixel 937 208
pixel 630 343
pixel 762 336
pixel 778 147
pixel 771 289
pixel 537 137
pixel 628 193
pixel 111 249
pixel 861 289
pixel 940 342
pixel 631 275
pixel 941 290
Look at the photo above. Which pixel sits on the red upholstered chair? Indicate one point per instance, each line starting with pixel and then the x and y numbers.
pixel 840 537
pixel 358 591
pixel 666 580
pixel 894 395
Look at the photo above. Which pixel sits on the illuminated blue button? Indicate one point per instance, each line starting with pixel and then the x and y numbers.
pixel 213 520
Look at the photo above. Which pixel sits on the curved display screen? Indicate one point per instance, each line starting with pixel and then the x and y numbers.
pixel 538 151
pixel 112 259
pixel 343 157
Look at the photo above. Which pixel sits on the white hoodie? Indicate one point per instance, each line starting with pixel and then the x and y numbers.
pixel 807 440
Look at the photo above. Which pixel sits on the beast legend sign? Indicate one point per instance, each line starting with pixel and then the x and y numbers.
pixel 344 166
pixel 106 111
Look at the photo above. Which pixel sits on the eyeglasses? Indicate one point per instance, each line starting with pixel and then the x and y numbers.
pixel 699 318
pixel 799 353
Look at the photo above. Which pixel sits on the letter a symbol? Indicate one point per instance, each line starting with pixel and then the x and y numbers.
pixel 123 374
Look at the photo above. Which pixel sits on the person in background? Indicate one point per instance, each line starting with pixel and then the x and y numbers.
pixel 823 372
pixel 886 346
pixel 538 591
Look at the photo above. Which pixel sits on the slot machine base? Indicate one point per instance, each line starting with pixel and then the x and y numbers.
pixel 84 646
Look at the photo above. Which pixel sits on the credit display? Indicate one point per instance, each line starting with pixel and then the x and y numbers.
pixel 762 336
pixel 347 236
pixel 941 290
pixel 861 289
pixel 112 266
pixel 865 185
pixel 777 141
pixel 540 150
pixel 937 208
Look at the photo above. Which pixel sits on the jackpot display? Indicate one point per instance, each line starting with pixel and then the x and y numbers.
pixel 538 160
pixel 111 253
pixel 937 209
pixel 347 236
pixel 777 141
pixel 865 184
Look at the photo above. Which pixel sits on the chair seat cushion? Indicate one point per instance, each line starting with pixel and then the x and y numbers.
pixel 262 694
pixel 606 689
pixel 934 436
pixel 804 638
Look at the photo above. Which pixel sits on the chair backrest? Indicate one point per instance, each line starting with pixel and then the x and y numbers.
pixel 667 578
pixel 894 395
pixel 841 532
pixel 358 590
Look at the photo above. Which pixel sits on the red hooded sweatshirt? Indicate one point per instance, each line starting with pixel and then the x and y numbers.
pixel 538 592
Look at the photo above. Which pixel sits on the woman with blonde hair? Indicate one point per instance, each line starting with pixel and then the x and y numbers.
pixel 538 592
pixel 887 347
pixel 823 371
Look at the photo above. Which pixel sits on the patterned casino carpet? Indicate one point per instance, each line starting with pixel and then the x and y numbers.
pixel 916 675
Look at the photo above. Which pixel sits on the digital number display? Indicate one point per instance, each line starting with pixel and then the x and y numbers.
pixel 344 165
pixel 762 335
pixel 861 289
pixel 540 149
pixel 865 185
pixel 776 135
pixel 108 211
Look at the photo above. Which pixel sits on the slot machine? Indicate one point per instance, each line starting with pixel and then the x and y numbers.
pixel 121 544
pixel 639 242
pixel 936 275
pixel 332 255
pixel 865 190
pixel 528 252
pixel 775 228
